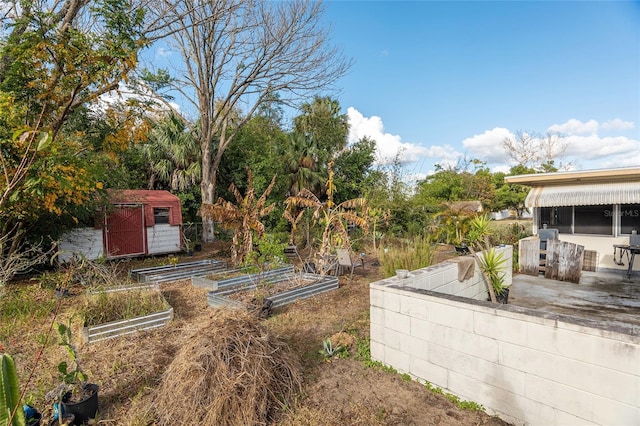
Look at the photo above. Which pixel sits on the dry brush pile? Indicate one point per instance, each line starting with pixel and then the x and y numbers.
pixel 231 370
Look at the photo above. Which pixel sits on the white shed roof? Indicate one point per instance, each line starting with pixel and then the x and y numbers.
pixel 584 194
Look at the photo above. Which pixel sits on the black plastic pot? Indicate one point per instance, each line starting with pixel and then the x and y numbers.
pixel 502 297
pixel 34 417
pixel 85 409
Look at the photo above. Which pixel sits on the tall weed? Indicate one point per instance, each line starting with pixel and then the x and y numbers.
pixel 412 254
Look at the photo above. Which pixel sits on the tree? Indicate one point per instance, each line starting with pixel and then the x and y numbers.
pixel 324 127
pixel 243 217
pixel 301 164
pixel 240 53
pixel 353 168
pixel 531 150
pixel 332 217
pixel 172 155
pixel 56 57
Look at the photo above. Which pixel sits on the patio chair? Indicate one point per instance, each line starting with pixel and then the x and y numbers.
pixel 346 260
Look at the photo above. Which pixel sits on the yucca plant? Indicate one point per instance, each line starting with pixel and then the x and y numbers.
pixel 11 414
pixel 492 264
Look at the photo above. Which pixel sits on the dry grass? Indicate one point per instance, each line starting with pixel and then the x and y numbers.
pixel 230 371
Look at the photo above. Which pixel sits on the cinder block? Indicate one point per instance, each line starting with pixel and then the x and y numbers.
pixel 478 369
pixel 455 315
pixel 376 296
pixel 436 279
pixel 415 347
pixel 432 373
pixel 610 412
pixel 376 315
pixel 420 328
pixel 559 396
pixel 450 274
pixel 397 359
pixel 618 355
pixel 393 338
pixel 500 400
pixel 391 301
pixel 414 307
pixel 605 382
pixel 397 321
pixel 500 328
pixel 377 351
pixel 530 361
pixel 462 341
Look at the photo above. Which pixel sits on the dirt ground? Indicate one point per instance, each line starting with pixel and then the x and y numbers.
pixel 340 392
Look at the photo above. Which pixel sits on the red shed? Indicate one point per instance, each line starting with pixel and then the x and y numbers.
pixel 142 222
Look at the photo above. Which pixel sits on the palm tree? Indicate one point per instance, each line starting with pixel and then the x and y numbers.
pixel 301 165
pixel 172 155
pixel 243 217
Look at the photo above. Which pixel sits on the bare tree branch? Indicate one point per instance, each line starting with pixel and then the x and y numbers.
pixel 243 53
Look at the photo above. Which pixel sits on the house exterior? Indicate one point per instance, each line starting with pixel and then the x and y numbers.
pixel 140 222
pixel 593 208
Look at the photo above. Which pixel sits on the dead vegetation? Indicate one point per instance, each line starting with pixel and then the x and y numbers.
pixel 231 370
pixel 209 366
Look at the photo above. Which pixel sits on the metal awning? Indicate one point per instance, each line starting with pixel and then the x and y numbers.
pixel 584 194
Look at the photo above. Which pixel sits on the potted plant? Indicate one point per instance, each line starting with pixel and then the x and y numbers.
pixel 11 414
pixel 492 265
pixel 75 394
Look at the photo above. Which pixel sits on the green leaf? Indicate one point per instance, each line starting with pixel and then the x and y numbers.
pixel 10 394
pixel 44 140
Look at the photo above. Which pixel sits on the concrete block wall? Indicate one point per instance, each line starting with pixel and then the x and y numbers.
pixel 526 367
pixel 443 278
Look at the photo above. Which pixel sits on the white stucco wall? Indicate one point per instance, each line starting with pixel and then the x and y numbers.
pixel 527 367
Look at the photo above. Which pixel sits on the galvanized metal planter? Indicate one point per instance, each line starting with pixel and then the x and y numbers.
pixel 109 330
pixel 220 289
pixel 179 271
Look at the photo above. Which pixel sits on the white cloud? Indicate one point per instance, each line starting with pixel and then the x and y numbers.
pixel 488 145
pixel 618 124
pixel 575 127
pixel 384 52
pixel 594 147
pixel 388 145
pixel 163 52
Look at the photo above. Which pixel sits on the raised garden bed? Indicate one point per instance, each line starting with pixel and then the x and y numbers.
pixel 120 311
pixel 278 287
pixel 166 273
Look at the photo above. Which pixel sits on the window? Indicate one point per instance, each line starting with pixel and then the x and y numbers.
pixel 629 218
pixel 593 220
pixel 161 214
pixel 559 218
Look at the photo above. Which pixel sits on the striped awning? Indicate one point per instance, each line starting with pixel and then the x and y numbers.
pixel 584 194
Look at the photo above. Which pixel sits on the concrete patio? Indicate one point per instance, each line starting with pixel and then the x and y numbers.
pixel 611 299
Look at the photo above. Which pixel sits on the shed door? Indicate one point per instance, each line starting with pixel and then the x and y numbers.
pixel 125 231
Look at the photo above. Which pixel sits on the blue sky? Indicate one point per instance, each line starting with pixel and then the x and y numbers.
pixel 446 80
